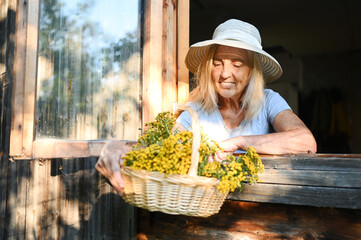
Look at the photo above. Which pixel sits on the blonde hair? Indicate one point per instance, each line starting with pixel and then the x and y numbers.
pixel 206 95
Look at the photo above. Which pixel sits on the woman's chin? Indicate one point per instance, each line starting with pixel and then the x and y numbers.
pixel 227 95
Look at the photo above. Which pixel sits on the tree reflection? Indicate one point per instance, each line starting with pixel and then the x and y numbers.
pixel 88 80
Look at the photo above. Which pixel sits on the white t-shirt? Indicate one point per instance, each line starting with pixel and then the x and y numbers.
pixel 213 125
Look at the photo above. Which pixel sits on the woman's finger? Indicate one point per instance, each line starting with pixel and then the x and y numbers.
pixel 219 156
pixel 117 182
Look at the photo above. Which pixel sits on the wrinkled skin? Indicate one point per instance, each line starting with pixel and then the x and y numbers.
pixel 110 161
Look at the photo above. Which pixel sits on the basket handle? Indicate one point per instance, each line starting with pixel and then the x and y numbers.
pixel 196 139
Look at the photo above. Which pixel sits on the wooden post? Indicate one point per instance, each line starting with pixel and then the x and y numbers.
pixel 169 56
pixel 166 43
pixel 23 111
pixel 16 136
pixel 152 60
pixel 182 48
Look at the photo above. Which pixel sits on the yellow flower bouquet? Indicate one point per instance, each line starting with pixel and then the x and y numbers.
pixel 158 177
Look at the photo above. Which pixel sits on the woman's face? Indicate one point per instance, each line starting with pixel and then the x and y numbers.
pixel 230 71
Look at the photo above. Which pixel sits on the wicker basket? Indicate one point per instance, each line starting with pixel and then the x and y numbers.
pixel 190 194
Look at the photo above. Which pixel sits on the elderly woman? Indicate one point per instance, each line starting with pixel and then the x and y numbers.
pixel 233 107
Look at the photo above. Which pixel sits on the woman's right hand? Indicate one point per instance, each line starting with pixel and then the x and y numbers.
pixel 110 161
pixel 228 147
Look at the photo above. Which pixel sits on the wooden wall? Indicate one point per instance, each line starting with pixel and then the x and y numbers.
pixel 61 199
pixel 51 199
pixel 318 180
pixel 68 199
pixel 255 221
pixel 299 197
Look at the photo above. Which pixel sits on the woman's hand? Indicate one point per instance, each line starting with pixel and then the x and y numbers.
pixel 109 163
pixel 291 137
pixel 229 146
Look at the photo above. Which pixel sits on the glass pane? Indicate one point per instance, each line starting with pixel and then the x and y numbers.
pixel 88 84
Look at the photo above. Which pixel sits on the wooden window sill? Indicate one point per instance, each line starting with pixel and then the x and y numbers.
pixel 321 180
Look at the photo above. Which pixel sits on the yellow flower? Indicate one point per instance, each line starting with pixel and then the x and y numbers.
pixel 161 150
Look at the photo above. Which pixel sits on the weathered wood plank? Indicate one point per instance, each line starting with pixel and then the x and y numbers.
pixel 4 9
pixel 52 148
pixel 35 217
pixel 30 75
pixel 17 104
pixel 243 220
pixel 312 178
pixel 152 60
pixel 3 196
pixel 169 55
pixel 90 208
pixel 3 163
pixel 16 202
pixel 350 163
pixel 70 202
pixel 300 195
pixel 182 49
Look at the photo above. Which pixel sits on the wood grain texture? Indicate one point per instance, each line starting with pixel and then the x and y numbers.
pixel 152 60
pixel 243 220
pixel 51 148
pixel 313 180
pixel 169 55
pixel 351 163
pixel 62 199
pixel 17 104
pixel 182 49
pixel 300 195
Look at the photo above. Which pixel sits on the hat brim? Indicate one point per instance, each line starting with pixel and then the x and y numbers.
pixel 270 67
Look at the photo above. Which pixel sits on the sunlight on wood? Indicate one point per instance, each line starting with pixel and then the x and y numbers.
pixel 53 148
pixel 183 45
pixel 152 80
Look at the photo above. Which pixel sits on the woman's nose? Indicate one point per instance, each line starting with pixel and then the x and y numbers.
pixel 226 70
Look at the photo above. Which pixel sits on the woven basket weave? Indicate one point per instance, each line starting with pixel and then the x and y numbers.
pixel 190 194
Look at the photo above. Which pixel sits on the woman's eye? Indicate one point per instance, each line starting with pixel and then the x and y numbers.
pixel 216 63
pixel 237 64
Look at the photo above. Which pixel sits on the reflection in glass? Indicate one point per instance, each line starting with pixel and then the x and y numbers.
pixel 88 84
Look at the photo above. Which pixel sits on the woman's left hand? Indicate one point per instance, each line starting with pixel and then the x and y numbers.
pixel 109 163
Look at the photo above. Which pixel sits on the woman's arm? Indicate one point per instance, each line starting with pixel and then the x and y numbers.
pixel 291 136
pixel 110 160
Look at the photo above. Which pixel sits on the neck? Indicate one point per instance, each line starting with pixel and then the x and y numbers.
pixel 230 104
pixel 232 112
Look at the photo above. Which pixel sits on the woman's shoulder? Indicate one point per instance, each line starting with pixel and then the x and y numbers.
pixel 274 100
pixel 271 94
pixel 196 106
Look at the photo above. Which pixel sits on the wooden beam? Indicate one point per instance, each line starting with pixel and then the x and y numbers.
pixel 24 88
pixel 322 162
pixel 312 178
pixel 17 103
pixel 169 55
pixel 182 49
pixel 52 148
pixel 246 220
pixel 300 195
pixel 319 180
pixel 152 60
pixel 30 75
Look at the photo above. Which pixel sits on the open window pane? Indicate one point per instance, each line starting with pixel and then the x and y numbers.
pixel 88 80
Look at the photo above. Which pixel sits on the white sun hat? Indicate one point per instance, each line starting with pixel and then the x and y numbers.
pixel 239 34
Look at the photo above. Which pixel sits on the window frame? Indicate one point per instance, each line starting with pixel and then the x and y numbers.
pixel 164 77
